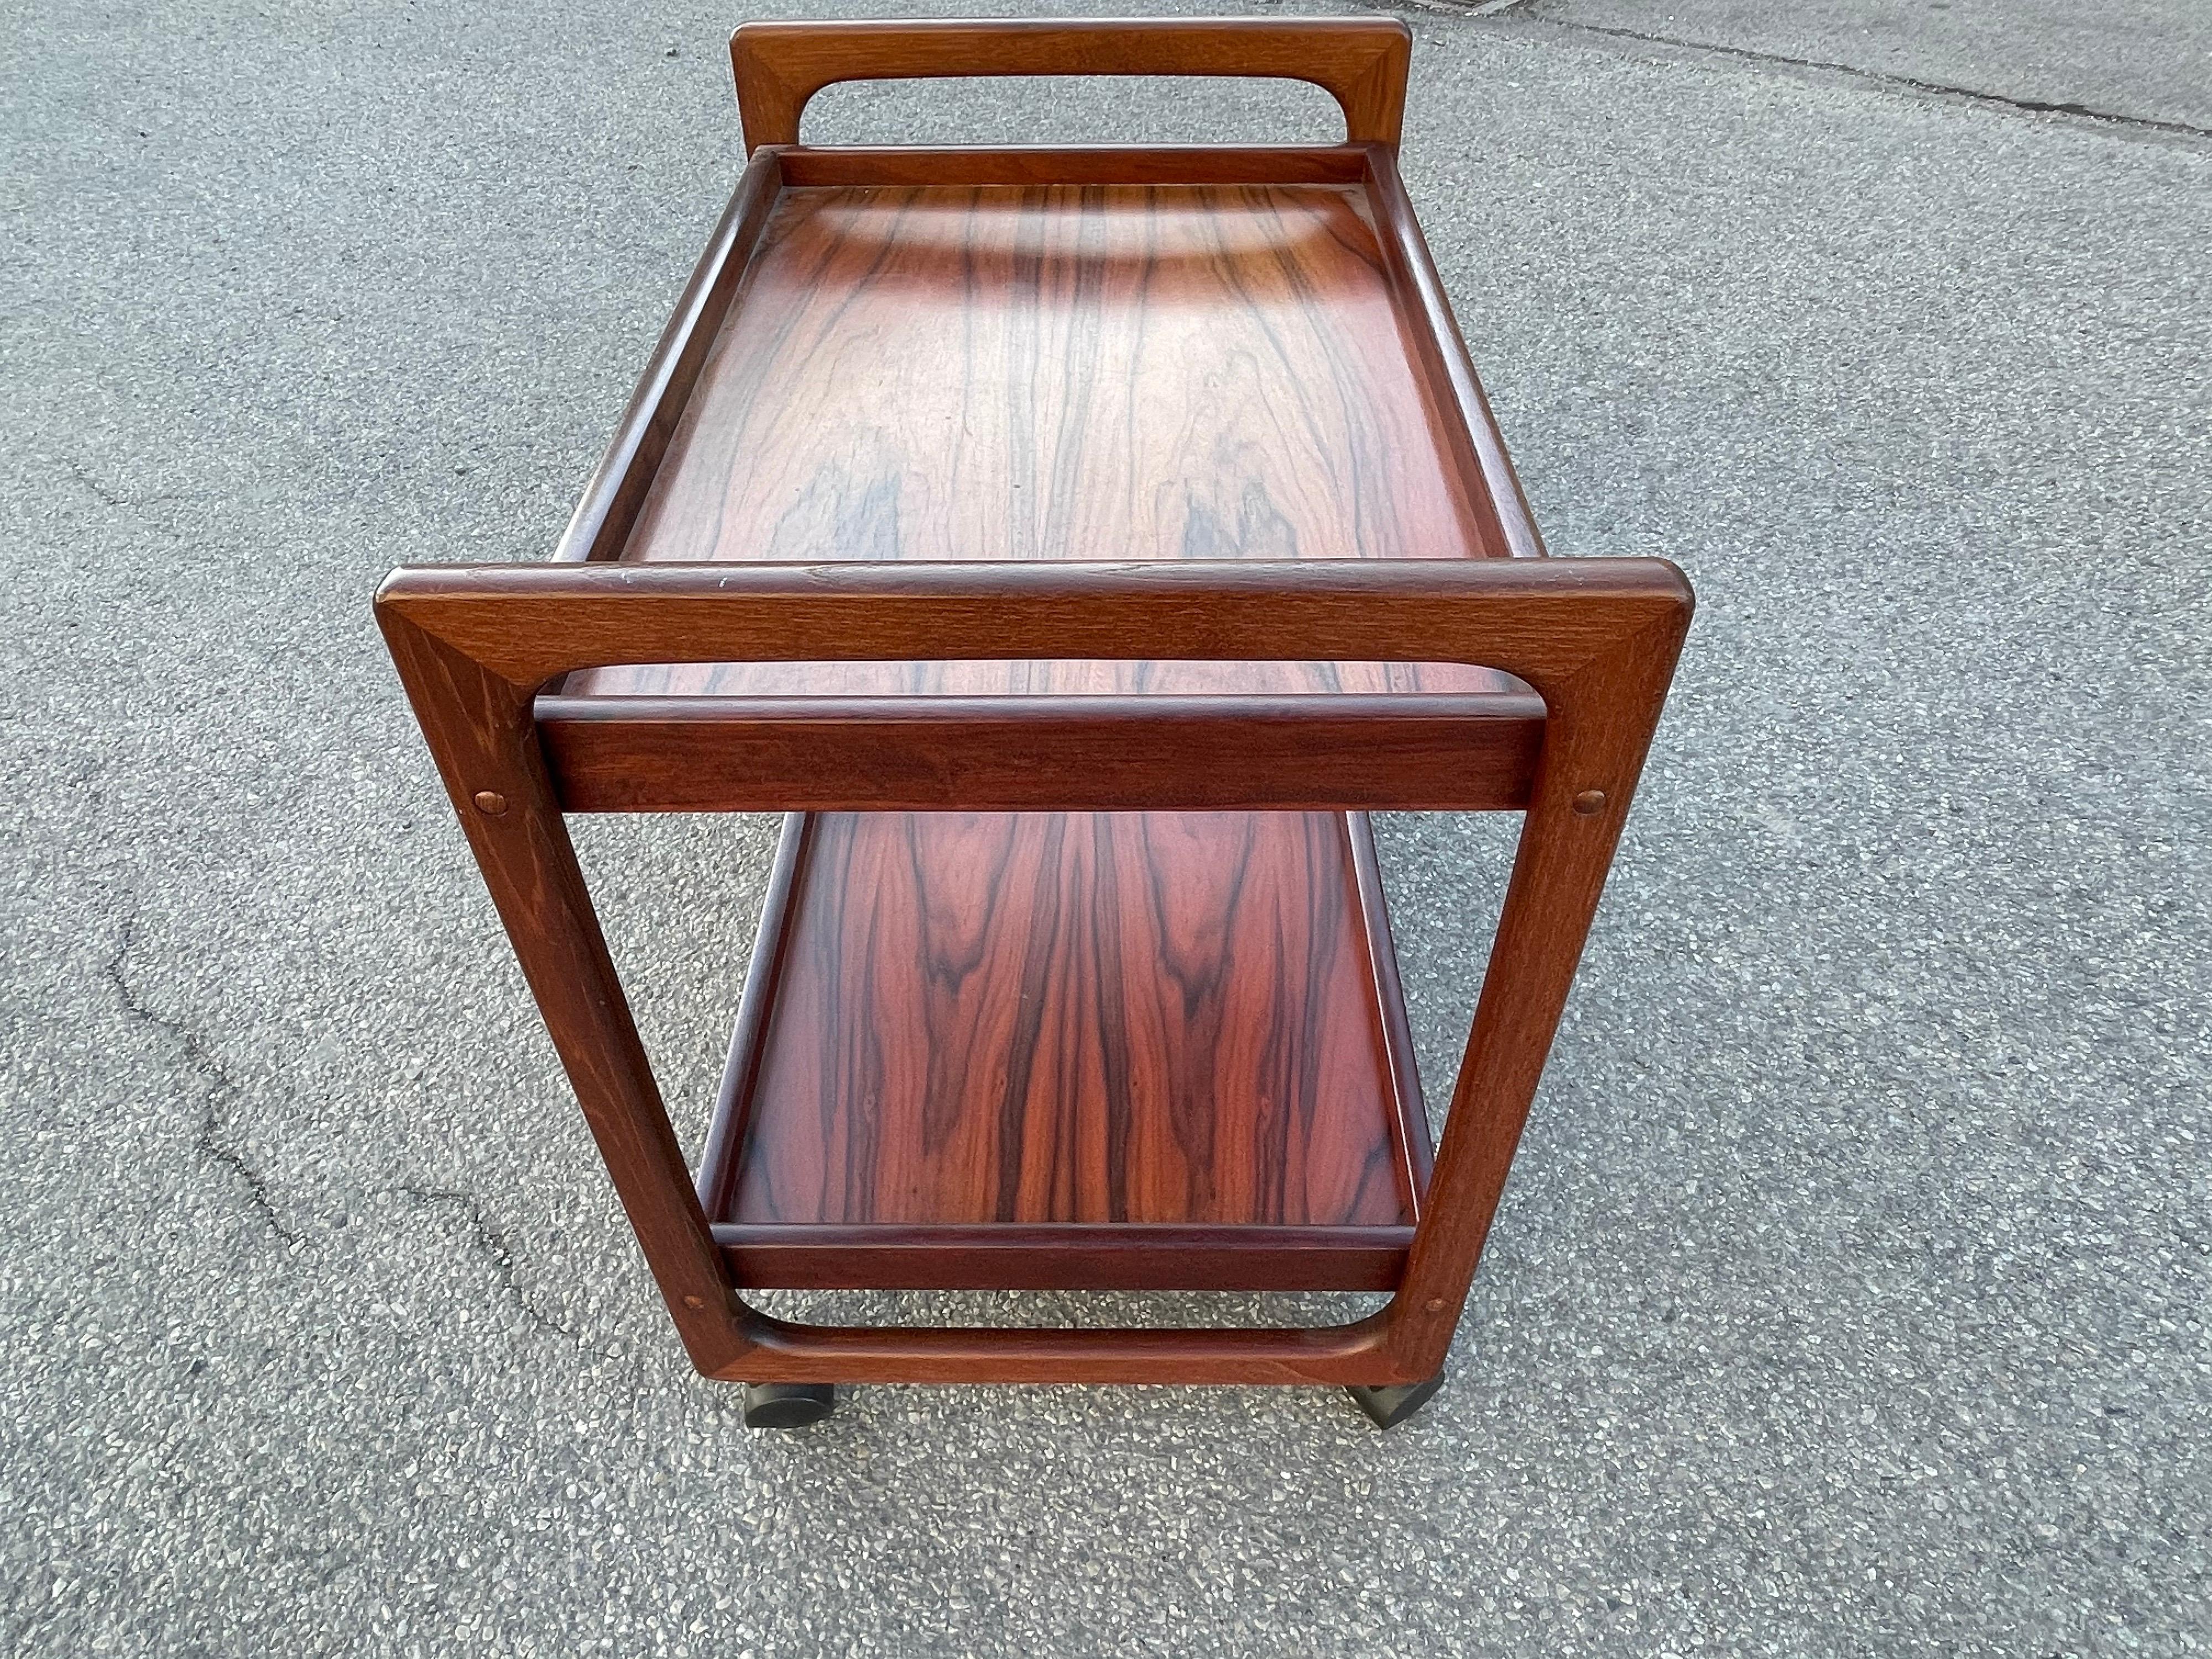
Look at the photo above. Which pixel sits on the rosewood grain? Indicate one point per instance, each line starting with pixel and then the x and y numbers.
pixel 602 520
pixel 1440 350
pixel 1058 372
pixel 1080 1017
pixel 718 1161
pixel 1117 1066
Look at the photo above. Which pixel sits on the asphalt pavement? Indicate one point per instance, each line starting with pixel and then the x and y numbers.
pixel 1850 1295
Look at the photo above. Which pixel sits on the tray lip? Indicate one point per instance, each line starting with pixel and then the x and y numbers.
pixel 1062 1255
pixel 1351 1246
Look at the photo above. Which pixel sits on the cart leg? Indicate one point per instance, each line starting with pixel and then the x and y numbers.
pixel 1392 1406
pixel 789 1405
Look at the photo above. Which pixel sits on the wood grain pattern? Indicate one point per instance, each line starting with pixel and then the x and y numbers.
pixel 1061 372
pixel 1074 1018
pixel 602 521
pixel 529 623
pixel 1050 1255
pixel 608 509
pixel 1361 62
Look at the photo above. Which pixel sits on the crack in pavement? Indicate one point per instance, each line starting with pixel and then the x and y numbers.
pixel 213 1072
pixel 93 485
pixel 1520 13
pixel 221 1084
pixel 493 1245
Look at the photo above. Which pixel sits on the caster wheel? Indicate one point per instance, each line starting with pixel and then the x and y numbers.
pixel 789 1405
pixel 1392 1406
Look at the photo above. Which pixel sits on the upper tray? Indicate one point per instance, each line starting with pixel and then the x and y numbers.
pixel 1096 355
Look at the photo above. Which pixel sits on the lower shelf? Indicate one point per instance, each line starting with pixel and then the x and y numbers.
pixel 1111 1050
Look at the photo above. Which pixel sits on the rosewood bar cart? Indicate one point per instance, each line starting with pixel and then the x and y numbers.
pixel 1077 543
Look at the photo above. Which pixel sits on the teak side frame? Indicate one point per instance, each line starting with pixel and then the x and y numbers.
pixel 1597 640
pixel 481 652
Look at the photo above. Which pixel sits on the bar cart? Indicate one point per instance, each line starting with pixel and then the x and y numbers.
pixel 1077 543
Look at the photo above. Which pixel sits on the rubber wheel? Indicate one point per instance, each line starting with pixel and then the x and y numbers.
pixel 1390 1406
pixel 789 1405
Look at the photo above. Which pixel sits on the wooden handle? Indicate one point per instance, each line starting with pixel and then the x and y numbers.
pixel 1361 62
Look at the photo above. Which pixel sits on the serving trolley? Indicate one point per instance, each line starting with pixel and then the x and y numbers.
pixel 1076 544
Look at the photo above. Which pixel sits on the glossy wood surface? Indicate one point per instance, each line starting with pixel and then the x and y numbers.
pixel 1275 1248
pixel 608 510
pixel 1060 372
pixel 1041 1019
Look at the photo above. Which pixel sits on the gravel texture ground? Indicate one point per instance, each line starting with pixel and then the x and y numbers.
pixel 1850 1293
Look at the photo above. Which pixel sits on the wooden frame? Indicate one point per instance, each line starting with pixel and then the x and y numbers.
pixel 495 661
pixel 1597 641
